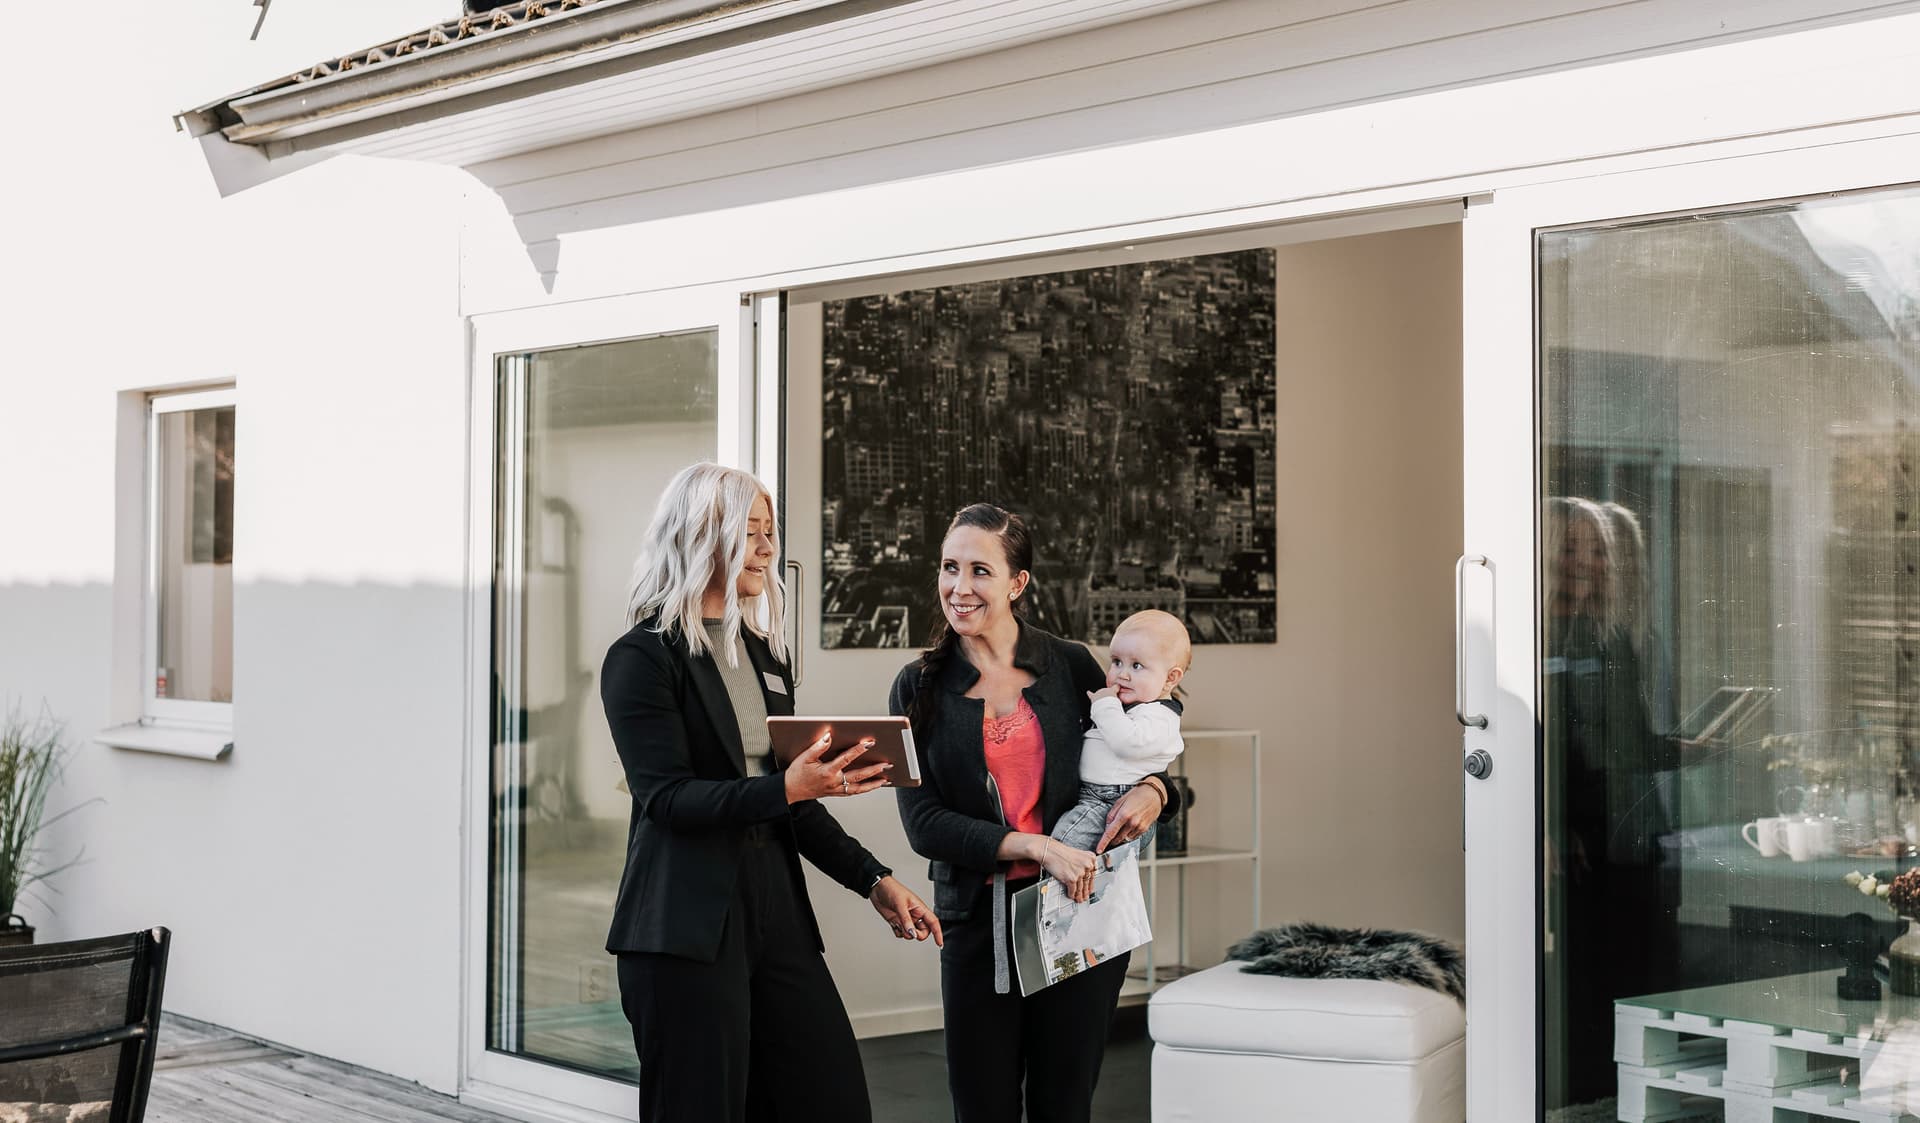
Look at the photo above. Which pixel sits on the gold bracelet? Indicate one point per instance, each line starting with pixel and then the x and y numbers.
pixel 1161 791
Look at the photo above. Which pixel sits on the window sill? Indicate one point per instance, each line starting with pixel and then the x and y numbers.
pixel 173 740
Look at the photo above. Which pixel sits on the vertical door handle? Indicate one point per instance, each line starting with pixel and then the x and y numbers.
pixel 1471 721
pixel 797 601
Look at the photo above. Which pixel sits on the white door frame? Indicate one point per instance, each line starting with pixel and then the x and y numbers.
pixel 747 436
pixel 1500 668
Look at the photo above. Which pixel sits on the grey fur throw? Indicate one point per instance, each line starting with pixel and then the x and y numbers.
pixel 1316 951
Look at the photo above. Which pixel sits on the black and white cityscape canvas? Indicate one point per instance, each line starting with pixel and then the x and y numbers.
pixel 1127 413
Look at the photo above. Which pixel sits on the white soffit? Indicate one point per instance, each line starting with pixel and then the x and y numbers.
pixel 685 75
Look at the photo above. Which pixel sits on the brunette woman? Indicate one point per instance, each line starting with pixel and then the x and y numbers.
pixel 998 708
pixel 721 974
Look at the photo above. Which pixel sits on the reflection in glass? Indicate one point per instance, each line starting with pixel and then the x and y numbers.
pixel 193 579
pixel 1730 638
pixel 587 437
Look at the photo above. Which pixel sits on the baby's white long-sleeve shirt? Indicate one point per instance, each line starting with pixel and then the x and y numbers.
pixel 1124 746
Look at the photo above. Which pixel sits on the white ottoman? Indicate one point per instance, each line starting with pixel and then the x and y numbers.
pixel 1229 1046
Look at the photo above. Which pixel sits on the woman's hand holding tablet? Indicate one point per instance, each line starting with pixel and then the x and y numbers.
pixel 814 775
pixel 823 748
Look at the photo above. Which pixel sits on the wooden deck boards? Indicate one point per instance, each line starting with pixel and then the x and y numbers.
pixel 205 1074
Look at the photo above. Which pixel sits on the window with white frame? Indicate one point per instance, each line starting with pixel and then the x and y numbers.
pixel 189 573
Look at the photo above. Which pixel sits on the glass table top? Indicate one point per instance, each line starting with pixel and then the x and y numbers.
pixel 1803 1002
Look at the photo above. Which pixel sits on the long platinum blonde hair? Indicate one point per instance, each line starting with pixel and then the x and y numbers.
pixel 1627 574
pixel 1562 512
pixel 702 519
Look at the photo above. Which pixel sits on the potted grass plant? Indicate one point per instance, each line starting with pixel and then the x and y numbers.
pixel 32 752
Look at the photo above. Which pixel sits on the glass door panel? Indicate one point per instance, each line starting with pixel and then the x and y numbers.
pixel 587 436
pixel 1728 628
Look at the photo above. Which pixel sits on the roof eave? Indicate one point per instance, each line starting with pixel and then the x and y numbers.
pixel 280 115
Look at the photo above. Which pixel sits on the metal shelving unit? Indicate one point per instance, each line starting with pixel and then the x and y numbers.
pixel 1154 969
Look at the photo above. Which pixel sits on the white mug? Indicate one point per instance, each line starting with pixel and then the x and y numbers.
pixel 1800 839
pixel 1822 838
pixel 1764 835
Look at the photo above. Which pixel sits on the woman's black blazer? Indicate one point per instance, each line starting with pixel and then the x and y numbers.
pixel 953 818
pixel 693 801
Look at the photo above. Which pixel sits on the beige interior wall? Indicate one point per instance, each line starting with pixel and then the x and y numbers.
pixel 1363 789
pixel 1361 792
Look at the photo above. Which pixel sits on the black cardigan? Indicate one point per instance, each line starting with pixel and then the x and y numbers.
pixel 952 818
pixel 679 743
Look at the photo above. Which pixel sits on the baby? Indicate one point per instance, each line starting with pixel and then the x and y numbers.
pixel 1136 722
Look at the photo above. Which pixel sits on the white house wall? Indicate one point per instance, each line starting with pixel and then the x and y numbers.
pixel 1751 95
pixel 1449 144
pixel 1197 68
pixel 313 880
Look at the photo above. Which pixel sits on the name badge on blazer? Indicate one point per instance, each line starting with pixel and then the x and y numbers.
pixel 773 682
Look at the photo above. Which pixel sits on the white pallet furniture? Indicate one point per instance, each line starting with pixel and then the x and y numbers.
pixel 1780 1050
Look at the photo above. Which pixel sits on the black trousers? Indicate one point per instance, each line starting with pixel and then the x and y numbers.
pixel 1622 939
pixel 1052 1043
pixel 760 1034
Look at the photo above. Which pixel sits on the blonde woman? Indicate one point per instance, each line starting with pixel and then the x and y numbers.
pixel 734 1015
pixel 1615 888
pixel 1632 615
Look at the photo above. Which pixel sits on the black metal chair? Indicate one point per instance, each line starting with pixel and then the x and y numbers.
pixel 79 1025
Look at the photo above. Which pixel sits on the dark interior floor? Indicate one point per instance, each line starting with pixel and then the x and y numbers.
pixel 907 1075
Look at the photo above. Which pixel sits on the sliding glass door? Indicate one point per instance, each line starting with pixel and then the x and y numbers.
pixel 589 412
pixel 1699 652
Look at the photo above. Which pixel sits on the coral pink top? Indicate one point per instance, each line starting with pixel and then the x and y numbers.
pixel 1017 760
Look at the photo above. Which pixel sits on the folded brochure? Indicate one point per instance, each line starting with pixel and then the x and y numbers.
pixel 1055 937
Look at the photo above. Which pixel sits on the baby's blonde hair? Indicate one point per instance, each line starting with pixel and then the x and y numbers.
pixel 1167 629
